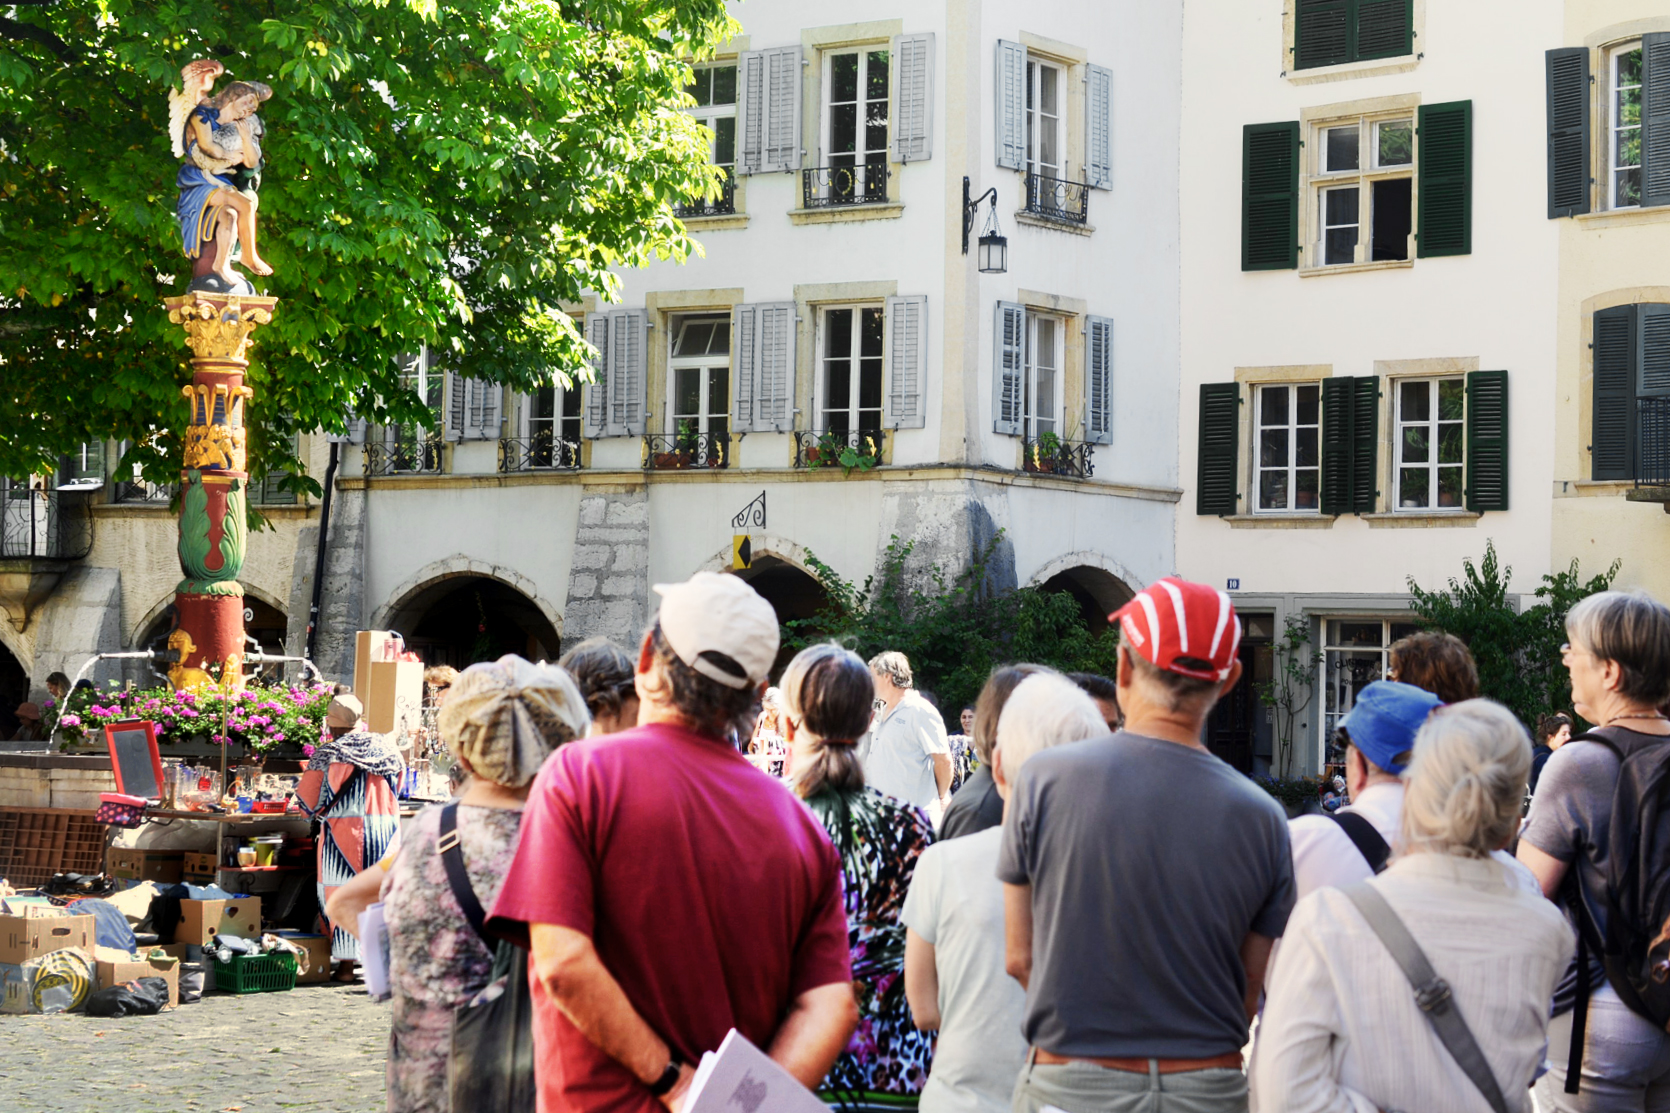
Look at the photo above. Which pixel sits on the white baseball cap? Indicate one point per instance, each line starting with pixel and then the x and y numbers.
pixel 717 624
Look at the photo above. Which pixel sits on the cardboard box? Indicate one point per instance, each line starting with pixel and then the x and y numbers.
pixel 369 646
pixel 200 865
pixel 318 948
pixel 202 920
pixel 25 937
pixel 163 866
pixel 117 973
pixel 395 702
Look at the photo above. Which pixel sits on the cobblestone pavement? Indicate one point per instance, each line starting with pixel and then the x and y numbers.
pixel 316 1049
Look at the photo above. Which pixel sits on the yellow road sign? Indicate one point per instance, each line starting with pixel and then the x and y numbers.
pixel 742 554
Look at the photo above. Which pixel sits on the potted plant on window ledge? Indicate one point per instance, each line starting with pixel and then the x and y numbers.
pixel 683 448
pixel 1045 454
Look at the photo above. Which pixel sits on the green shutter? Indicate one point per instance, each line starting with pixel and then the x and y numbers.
pixel 1444 136
pixel 1487 441
pixel 1219 448
pixel 1338 410
pixel 1365 444
pixel 1568 131
pixel 1655 119
pixel 1383 29
pixel 1652 396
pixel 1321 33
pixel 1270 196
pixel 1613 429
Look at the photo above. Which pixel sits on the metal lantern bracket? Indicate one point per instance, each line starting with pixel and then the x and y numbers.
pixel 971 209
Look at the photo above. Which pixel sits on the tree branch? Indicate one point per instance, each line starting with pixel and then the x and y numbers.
pixel 28 32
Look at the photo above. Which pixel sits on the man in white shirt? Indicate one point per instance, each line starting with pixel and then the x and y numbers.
pixel 909 755
pixel 1353 844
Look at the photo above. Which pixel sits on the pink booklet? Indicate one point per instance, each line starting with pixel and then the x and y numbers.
pixel 740 1078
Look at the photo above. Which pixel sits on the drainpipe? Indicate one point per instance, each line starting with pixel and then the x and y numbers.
pixel 319 553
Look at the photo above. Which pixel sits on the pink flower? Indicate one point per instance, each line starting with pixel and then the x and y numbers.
pixel 307 750
pixel 49 703
pixel 70 721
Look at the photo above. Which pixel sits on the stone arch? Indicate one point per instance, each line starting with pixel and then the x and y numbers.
pixel 1100 584
pixel 409 602
pixel 785 549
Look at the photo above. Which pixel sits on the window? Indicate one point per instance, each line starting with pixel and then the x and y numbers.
pixel 1431 439
pixel 701 379
pixel 1365 186
pixel 852 368
pixel 1043 119
pixel 855 127
pixel 84 467
pixel 1631 433
pixel 1334 32
pixel 1042 383
pixel 1355 653
pixel 550 433
pixel 714 90
pixel 413 448
pixel 1289 456
pixel 1624 128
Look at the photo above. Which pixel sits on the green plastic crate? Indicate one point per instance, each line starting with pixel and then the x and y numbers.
pixel 256 973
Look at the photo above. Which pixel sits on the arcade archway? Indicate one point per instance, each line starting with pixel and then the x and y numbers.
pixel 1097 591
pixel 460 620
pixel 14 689
pixel 794 593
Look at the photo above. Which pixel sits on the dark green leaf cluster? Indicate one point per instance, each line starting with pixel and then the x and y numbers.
pixel 438 174
pixel 1518 653
pixel 954 629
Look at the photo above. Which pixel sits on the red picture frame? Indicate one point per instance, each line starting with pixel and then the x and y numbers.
pixel 127 746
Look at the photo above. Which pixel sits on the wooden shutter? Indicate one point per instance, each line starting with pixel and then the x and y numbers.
pixel 1321 33
pixel 1098 127
pixel 1487 441
pixel 1010 115
pixel 1365 444
pixel 1098 380
pixel 1613 431
pixel 1218 453
pixel 774 359
pixel 1444 136
pixel 1568 131
pixel 1270 196
pixel 1339 410
pixel 486 409
pixel 1008 366
pixel 594 409
pixel 913 97
pixel 768 107
pixel 750 111
pixel 457 390
pixel 1655 119
pixel 745 367
pixel 1652 395
pixel 628 368
pixel 1383 29
pixel 907 362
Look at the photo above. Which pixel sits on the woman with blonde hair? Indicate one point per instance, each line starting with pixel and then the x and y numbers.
pixel 1342 1029
pixel 501 721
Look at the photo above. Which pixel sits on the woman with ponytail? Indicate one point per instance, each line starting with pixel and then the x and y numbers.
pixel 1341 1028
pixel 827 696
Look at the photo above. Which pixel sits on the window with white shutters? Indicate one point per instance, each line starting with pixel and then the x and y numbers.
pixel 1098 381
pixel 628 369
pixel 1010 117
pixel 596 392
pixel 907 361
pixel 1009 358
pixel 769 97
pixel 1098 127
pixel 764 361
pixel 913 105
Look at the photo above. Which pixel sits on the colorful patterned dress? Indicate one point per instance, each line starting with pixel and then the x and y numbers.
pixel 349 786
pixel 437 962
pixel 879 839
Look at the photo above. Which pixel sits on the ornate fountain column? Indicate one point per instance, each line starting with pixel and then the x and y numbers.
pixel 213 485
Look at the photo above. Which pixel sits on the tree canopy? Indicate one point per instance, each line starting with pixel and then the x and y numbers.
pixel 442 174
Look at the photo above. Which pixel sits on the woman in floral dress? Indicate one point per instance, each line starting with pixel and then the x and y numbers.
pixel 827 693
pixel 501 720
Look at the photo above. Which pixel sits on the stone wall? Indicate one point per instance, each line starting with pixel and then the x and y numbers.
pixel 608 588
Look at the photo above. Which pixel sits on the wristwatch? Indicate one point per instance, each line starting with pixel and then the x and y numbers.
pixel 669 1077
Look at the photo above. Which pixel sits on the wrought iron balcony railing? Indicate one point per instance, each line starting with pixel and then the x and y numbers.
pixel 44 525
pixel 671 451
pixel 1048 456
pixel 540 452
pixel 723 205
pixel 827 187
pixel 859 448
pixel 404 452
pixel 1057 199
pixel 1652 442
pixel 140 490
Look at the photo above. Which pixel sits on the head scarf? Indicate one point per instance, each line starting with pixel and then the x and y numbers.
pixel 344 713
pixel 505 717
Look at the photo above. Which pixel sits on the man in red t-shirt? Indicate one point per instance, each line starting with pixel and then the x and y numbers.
pixel 670 890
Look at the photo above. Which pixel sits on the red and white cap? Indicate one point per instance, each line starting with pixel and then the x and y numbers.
pixel 1182 627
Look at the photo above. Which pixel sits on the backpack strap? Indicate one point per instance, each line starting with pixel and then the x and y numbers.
pixel 452 856
pixel 1432 993
pixel 1365 838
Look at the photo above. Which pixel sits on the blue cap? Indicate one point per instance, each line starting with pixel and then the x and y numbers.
pixel 1383 721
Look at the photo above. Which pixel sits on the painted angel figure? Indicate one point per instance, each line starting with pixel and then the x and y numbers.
pixel 219 139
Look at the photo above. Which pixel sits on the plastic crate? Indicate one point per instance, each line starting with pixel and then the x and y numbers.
pixel 256 973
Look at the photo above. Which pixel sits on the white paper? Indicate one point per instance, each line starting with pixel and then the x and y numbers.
pixel 740 1078
pixel 374 952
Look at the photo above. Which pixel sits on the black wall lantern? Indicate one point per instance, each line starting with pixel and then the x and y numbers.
pixel 992 252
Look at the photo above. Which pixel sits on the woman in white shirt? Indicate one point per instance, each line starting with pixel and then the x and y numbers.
pixel 1341 1029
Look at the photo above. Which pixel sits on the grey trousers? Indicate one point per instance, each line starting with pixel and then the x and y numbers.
pixel 1085 1088
pixel 1626 1062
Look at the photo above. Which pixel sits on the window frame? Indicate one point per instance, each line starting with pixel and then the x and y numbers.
pixel 709 420
pixel 1434 467
pixel 561 399
pixel 1320 180
pixel 1033 113
pixel 1292 468
pixel 1030 415
pixel 854 409
pixel 863 156
pixel 1392 627
pixel 1610 127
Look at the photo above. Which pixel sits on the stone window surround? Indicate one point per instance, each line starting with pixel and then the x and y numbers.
pixel 1311 120
pixel 727 54
pixel 1072 313
pixel 1582 464
pixel 1377 67
pixel 1600 43
pixel 815 42
pixel 1071 60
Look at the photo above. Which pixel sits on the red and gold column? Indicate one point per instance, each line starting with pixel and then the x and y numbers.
pixel 214 485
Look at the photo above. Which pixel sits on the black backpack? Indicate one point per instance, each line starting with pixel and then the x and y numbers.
pixel 1636 899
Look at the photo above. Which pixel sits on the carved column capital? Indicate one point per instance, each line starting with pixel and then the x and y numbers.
pixel 218 326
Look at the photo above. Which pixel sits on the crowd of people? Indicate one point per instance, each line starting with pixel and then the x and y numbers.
pixel 1087 912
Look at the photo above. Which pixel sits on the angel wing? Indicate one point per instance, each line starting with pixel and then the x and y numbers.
pixel 195 80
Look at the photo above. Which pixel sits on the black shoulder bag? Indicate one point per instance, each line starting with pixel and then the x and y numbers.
pixel 490 1068
pixel 1365 838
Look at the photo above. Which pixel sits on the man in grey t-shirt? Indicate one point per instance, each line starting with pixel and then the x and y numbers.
pixel 1144 883
pixel 908 757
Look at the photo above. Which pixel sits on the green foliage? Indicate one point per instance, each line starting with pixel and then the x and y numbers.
pixel 833 450
pixel 1289 691
pixel 1292 792
pixel 953 629
pixel 1518 654
pixel 440 175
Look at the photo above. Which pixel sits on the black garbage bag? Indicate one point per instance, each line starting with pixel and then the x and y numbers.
pixel 146 997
